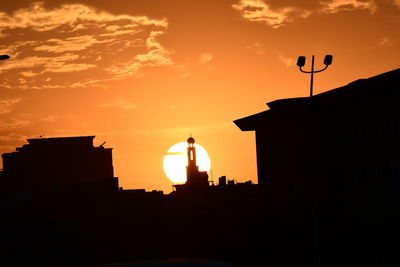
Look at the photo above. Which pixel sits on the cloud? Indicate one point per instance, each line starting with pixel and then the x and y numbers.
pixel 99 45
pixel 6 104
pixel 259 11
pixel 12 138
pixel 286 60
pixel 157 56
pixel 9 141
pixel 29 74
pixel 334 6
pixel 385 41
pixel 43 66
pixel 120 103
pixel 50 118
pixel 262 12
pixel 205 58
pixel 12 123
pixel 37 17
pixel 256 47
pixel 397 3
pixel 71 44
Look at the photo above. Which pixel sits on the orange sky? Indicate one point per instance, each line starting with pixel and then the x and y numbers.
pixel 143 75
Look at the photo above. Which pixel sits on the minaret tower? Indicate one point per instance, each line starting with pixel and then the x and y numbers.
pixel 191 155
pixel 194 176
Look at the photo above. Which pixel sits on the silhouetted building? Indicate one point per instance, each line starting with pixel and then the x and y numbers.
pixel 51 164
pixel 329 166
pixel 332 161
pixel 194 176
pixel 347 135
pixel 195 179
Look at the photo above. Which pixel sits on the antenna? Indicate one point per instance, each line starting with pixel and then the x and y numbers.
pixel 102 144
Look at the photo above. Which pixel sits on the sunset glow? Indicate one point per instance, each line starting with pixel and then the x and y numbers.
pixel 176 160
pixel 139 74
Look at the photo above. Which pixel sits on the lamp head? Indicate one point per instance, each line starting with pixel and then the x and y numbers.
pixel 328 60
pixel 301 61
pixel 2 57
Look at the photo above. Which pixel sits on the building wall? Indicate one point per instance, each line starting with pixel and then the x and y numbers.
pixel 58 165
pixel 346 154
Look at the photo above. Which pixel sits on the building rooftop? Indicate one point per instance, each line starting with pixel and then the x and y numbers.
pixel 362 89
pixel 62 140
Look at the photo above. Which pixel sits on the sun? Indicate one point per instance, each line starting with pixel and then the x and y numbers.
pixel 175 162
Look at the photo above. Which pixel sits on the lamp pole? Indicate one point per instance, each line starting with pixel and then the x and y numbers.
pixel 301 61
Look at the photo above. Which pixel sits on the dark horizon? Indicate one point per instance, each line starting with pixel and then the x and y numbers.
pixel 327 194
pixel 143 75
pixel 200 133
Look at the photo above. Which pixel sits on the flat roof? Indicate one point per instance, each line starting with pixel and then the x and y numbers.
pixel 361 89
pixel 58 140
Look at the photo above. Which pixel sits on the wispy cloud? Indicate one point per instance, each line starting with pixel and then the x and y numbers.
pixel 50 118
pixel 256 47
pixel 397 3
pixel 12 138
pixel 71 44
pixel 156 56
pixel 288 61
pixel 11 123
pixel 259 11
pixel 6 104
pixel 205 58
pixel 120 103
pixel 100 45
pixel 9 141
pixel 334 6
pixel 385 41
pixel 37 17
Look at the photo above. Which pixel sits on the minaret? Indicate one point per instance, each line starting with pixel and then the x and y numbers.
pixel 191 154
pixel 194 176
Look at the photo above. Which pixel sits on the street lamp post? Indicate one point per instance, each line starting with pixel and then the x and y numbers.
pixel 301 61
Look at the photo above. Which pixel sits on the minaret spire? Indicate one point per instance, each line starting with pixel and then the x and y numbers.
pixel 191 151
pixel 194 176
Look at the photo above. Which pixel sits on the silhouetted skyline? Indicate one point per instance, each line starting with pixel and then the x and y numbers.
pixel 328 194
pixel 316 184
pixel 142 75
